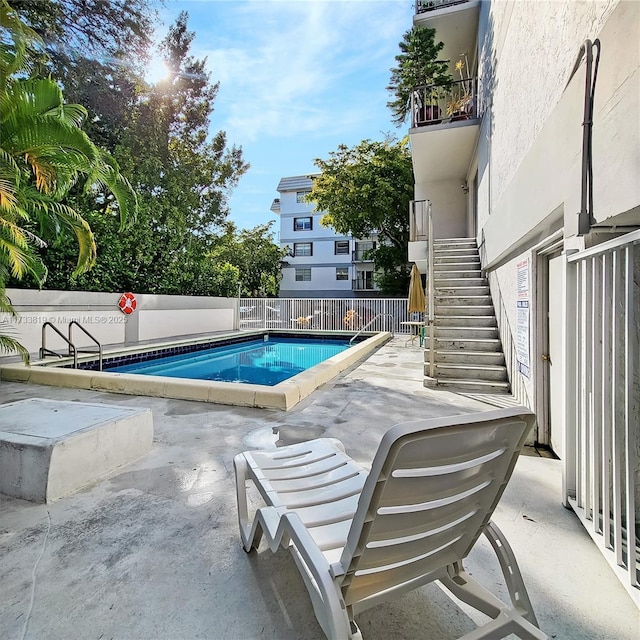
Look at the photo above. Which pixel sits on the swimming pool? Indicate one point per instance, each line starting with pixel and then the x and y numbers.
pixel 267 361
pixel 281 395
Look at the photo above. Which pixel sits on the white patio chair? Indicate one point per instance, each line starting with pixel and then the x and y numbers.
pixel 361 538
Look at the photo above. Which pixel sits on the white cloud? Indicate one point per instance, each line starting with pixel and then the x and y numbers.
pixel 290 68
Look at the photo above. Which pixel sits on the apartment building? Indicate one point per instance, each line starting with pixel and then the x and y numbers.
pixel 320 263
pixel 531 159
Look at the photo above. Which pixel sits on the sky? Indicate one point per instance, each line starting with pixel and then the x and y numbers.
pixel 297 78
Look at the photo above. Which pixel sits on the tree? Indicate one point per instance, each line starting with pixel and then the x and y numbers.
pixel 366 189
pixel 256 256
pixel 102 28
pixel 43 155
pixel 418 65
pixel 182 174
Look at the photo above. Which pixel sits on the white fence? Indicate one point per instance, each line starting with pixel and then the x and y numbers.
pixel 602 474
pixel 325 314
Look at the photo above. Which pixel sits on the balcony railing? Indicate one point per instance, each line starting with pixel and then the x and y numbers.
pixel 361 252
pixel 422 6
pixel 362 285
pixel 439 104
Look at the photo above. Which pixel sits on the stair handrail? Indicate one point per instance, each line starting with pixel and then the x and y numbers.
pixel 361 329
pixel 44 351
pixel 431 293
pixel 77 324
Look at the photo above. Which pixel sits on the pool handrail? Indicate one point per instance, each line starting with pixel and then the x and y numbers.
pixel 49 352
pixel 370 323
pixel 99 352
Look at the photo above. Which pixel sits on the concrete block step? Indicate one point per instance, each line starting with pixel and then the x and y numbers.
pixel 466 321
pixel 446 283
pixel 468 386
pixel 444 299
pixel 467 357
pixel 462 291
pixel 461 333
pixel 465 344
pixel 459 271
pixel 485 373
pixel 464 310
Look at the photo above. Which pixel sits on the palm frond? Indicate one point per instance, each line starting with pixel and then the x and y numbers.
pixel 10 345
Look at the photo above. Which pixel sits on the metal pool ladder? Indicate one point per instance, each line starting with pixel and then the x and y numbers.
pixel 361 329
pixel 73 350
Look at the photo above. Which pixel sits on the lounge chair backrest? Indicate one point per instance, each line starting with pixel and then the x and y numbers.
pixel 432 488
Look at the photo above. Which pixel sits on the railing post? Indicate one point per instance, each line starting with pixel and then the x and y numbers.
pixel 431 296
pixel 569 340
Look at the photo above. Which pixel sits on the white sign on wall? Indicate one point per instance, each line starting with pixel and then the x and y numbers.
pixel 523 332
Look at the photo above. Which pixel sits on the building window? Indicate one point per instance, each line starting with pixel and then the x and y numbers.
pixel 303 224
pixel 303 275
pixel 301 195
pixel 342 247
pixel 342 273
pixel 302 249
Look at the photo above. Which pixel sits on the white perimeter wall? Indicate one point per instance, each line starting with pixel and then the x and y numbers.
pixel 155 317
pixel 530 146
pixel 529 156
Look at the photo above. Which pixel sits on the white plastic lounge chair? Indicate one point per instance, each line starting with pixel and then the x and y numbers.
pixel 361 538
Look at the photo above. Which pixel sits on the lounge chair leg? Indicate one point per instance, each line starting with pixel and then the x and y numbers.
pixel 249 542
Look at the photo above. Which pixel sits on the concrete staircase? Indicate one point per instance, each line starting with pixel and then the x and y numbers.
pixel 467 348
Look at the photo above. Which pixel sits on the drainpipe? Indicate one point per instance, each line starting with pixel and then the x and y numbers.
pixel 585 216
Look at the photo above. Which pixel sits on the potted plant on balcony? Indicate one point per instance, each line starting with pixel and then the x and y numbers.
pixel 418 78
pixel 460 100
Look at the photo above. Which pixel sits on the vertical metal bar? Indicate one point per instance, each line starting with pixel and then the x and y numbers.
pixel 580 388
pixel 432 297
pixel 631 427
pixel 570 386
pixel 587 388
pixel 607 425
pixel 594 418
pixel 596 393
pixel 618 466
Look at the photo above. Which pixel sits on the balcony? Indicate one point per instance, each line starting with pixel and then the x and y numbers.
pixel 361 252
pixel 444 129
pixel 422 6
pixel 361 284
pixel 436 104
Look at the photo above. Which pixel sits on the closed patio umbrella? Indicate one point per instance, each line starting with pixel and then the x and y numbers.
pixel 416 301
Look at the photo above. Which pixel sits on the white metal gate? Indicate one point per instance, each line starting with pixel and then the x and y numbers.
pixel 602 411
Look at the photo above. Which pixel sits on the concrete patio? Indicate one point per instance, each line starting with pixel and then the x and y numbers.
pixel 152 551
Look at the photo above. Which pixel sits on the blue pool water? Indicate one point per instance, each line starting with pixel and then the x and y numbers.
pixel 254 362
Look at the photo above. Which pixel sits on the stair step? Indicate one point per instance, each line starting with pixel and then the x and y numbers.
pixel 466 321
pixel 446 310
pixel 458 272
pixel 463 292
pixel 468 386
pixel 465 344
pixel 485 373
pixel 470 259
pixel 462 333
pixel 465 254
pixel 462 357
pixel 454 240
pixel 482 300
pixel 445 283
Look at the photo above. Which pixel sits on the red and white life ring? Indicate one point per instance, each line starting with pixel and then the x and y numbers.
pixel 127 303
